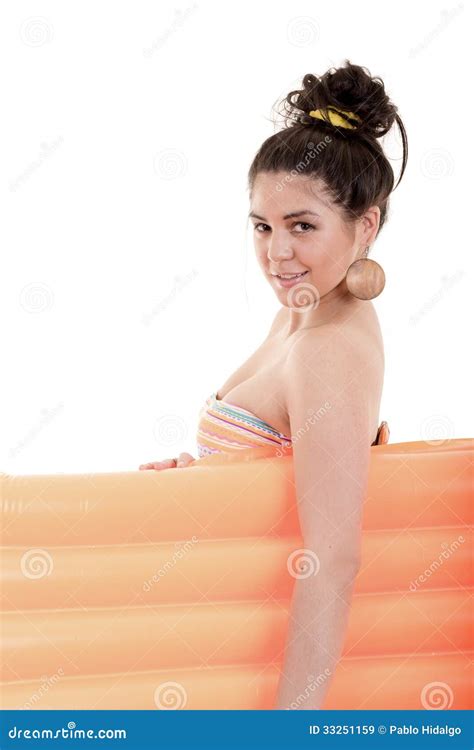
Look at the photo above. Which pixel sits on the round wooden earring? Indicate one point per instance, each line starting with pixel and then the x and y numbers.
pixel 365 278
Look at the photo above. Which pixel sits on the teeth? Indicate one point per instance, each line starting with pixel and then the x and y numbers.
pixel 294 276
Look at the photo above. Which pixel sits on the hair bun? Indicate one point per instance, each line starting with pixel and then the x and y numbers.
pixel 351 88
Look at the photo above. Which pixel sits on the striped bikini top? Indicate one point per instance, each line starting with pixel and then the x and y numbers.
pixel 226 427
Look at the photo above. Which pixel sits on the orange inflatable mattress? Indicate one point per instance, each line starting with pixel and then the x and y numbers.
pixel 171 589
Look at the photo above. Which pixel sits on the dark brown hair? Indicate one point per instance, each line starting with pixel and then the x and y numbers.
pixel 350 162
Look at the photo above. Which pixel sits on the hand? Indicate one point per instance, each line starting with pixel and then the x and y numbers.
pixel 184 459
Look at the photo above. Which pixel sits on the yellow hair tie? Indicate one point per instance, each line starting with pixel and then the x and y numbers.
pixel 334 118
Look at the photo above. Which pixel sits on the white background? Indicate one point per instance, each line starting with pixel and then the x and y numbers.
pixel 129 287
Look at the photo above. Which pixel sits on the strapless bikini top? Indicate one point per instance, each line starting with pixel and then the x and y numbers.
pixel 226 427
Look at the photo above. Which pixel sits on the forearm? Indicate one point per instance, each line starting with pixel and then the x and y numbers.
pixel 317 627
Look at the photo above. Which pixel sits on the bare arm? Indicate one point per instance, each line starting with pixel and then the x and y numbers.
pixel 330 428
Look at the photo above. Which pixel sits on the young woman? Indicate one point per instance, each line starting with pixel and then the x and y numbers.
pixel 319 191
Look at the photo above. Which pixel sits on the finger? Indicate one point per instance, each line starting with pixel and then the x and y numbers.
pixel 157 465
pixel 184 459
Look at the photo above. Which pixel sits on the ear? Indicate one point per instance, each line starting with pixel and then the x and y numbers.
pixel 370 225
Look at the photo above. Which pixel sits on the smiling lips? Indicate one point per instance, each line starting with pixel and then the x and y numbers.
pixel 288 281
pixel 289 275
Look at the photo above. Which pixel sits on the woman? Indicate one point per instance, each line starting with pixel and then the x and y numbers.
pixel 319 193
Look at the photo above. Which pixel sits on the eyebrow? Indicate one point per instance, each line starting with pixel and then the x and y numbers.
pixel 292 215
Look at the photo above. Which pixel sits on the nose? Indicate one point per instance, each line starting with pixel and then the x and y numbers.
pixel 278 248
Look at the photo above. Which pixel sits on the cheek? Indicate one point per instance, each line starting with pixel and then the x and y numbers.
pixel 261 250
pixel 327 269
pixel 329 259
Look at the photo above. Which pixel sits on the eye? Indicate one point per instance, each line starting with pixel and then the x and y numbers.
pixel 304 224
pixel 261 227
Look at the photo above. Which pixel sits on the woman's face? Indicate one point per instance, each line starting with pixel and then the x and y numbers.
pixel 297 228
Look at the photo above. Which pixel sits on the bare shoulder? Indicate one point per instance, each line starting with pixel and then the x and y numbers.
pixel 339 371
pixel 325 351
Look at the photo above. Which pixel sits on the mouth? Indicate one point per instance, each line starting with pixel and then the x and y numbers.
pixel 287 280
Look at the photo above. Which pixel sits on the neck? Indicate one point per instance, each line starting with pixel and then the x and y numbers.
pixel 330 307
